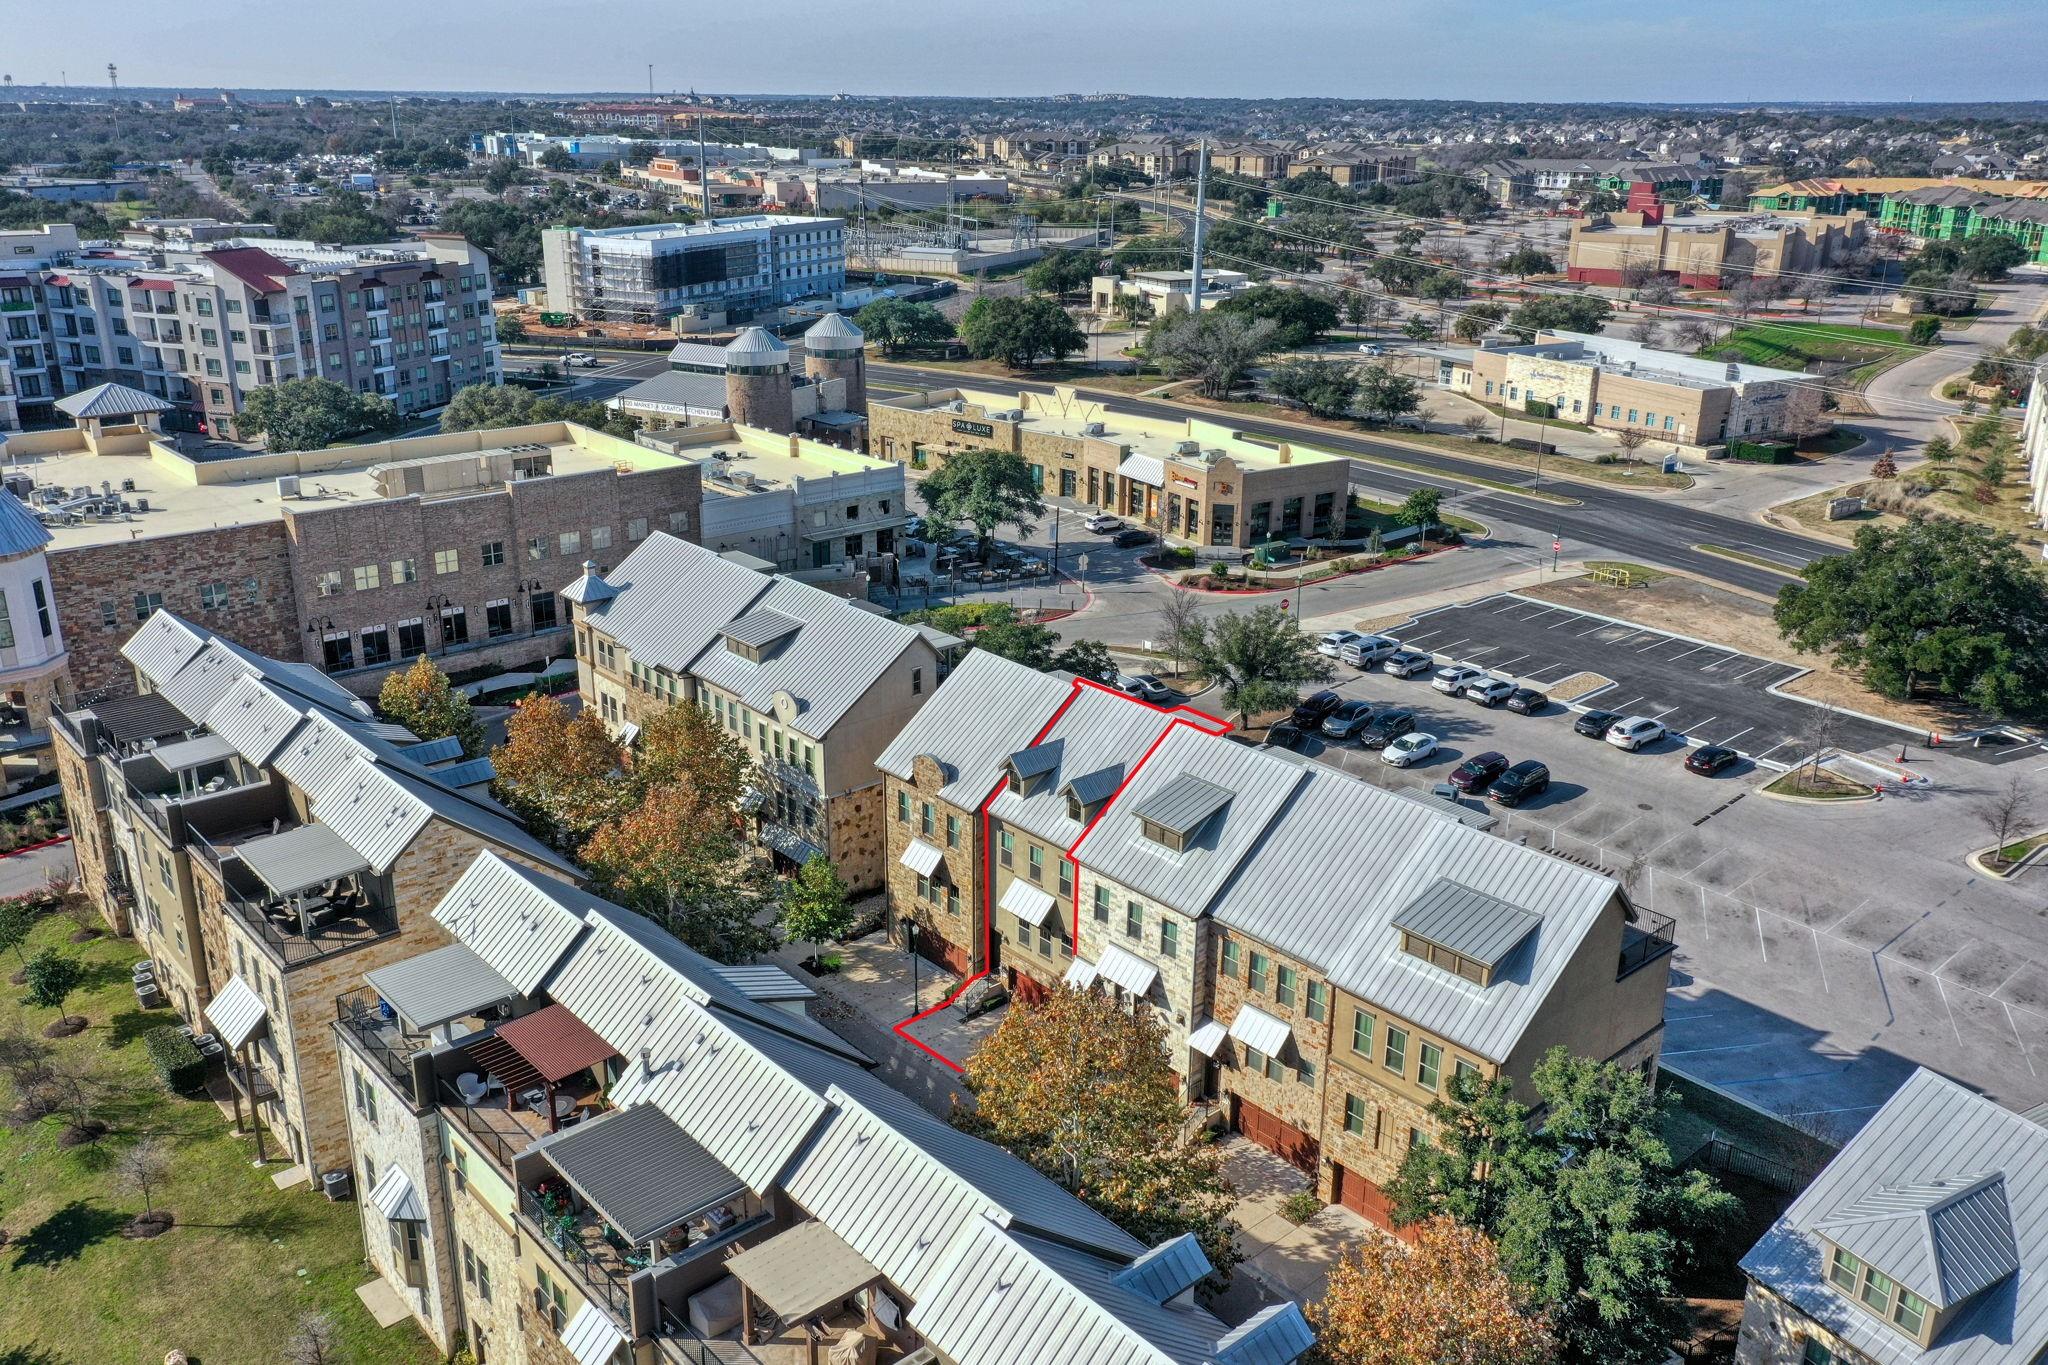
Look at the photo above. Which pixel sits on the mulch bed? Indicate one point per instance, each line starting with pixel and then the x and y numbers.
pixel 65 1028
pixel 147 1225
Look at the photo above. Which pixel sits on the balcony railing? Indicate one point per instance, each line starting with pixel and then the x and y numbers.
pixel 1650 937
pixel 558 1231
pixel 501 1139
pixel 366 1019
pixel 349 931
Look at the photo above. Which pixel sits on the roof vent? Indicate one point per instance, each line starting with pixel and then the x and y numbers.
pixel 1093 428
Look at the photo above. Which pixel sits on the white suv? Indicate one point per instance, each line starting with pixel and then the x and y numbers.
pixel 1633 732
pixel 1453 680
pixel 1103 521
pixel 1488 691
pixel 1332 644
pixel 1367 650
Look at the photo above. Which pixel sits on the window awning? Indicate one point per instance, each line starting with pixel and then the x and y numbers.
pixel 433 988
pixel 591 1336
pixel 1260 1031
pixel 1080 974
pixel 921 857
pixel 1143 468
pixel 1127 970
pixel 1207 1037
pixel 237 1011
pixel 1027 902
pixel 802 1270
pixel 396 1199
pixel 640 1171
pixel 300 859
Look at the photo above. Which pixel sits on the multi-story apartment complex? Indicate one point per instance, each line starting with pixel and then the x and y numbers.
pixel 2034 443
pixel 1252 160
pixel 356 559
pixel 202 324
pixel 1159 158
pixel 1709 250
pixel 812 685
pixel 1354 167
pixel 1324 956
pixel 577 1139
pixel 1922 1243
pixel 1025 148
pixel 266 842
pixel 1950 213
pixel 728 270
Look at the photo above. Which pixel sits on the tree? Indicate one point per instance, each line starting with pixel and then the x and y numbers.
pixel 1949 604
pixel 1806 414
pixel 1693 335
pixel 679 860
pixel 18 916
pixel 1080 1087
pixel 1384 394
pixel 1180 622
pixel 316 1341
pixel 1940 449
pixel 1475 424
pixel 52 977
pixel 144 1167
pixel 897 323
pixel 1301 318
pixel 1418 328
pixel 1559 313
pixel 557 159
pixel 485 407
pixel 1631 440
pixel 1646 330
pixel 311 414
pixel 1525 261
pixel 1020 331
pixel 2005 812
pixel 1216 348
pixel 685 743
pixel 1000 632
pixel 1258 659
pixel 426 703
pixel 1444 1300
pixel 558 773
pixel 511 331
pixel 985 489
pixel 1062 272
pixel 1317 385
pixel 1476 321
pixel 815 909
pixel 1420 509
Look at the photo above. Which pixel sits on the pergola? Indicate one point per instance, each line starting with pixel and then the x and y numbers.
pixel 540 1050
pixel 293 863
pixel 799 1273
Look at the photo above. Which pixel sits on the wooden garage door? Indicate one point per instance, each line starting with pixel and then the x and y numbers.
pixel 945 953
pixel 1367 1200
pixel 1275 1134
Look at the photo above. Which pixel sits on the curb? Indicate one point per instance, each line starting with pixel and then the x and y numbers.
pixel 31 848
pixel 1162 575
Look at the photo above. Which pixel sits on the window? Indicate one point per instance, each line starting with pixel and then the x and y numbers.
pixel 952 900
pixel 1318 1000
pixel 1429 1066
pixel 1304 1071
pixel 1262 966
pixel 1354 1116
pixel 570 542
pixel 537 547
pixel 337 651
pixel 365 577
pixel 1134 919
pixel 1464 1070
pixel 1877 1291
pixel 147 602
pixel 542 606
pixel 376 646
pixel 916 682
pixel 952 831
pixel 454 625
pixel 1288 987
pixel 636 529
pixel 1101 904
pixel 1817 1353
pixel 1910 1312
pixel 447 561
pixel 212 596
pixel 600 537
pixel 1066 879
pixel 330 584
pixel 1395 1055
pixel 1230 962
pixel 494 553
pixel 924 817
pixel 549 1301
pixel 412 639
pixel 1169 938
pixel 1844 1270
pixel 1034 858
pixel 404 571
pixel 498 618
pixel 1006 848
pixel 110 615
pixel 902 800
pixel 1361 1033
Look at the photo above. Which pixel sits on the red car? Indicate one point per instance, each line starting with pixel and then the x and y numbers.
pixel 1476 773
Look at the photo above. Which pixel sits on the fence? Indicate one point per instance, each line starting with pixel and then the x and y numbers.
pixel 1718 1154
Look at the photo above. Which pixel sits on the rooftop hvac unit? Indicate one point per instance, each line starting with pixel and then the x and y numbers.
pixel 1010 415
pixel 287 485
pixel 1093 429
pixel 743 477
pixel 1187 447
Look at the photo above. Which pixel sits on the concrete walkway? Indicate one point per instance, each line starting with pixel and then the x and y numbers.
pixel 1288 1260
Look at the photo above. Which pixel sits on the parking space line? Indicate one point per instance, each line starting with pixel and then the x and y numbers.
pixel 1623 706
pixel 1657 715
pixel 1704 668
pixel 1510 604
pixel 1694 650
pixel 1418 639
pixel 1570 619
pixel 1597 625
pixel 1546 611
pixel 1758 669
pixel 1503 663
pixel 1657 643
pixel 1773 749
pixel 1622 640
pixel 1737 735
pixel 1691 729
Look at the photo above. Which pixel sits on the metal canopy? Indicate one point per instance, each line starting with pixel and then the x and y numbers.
pixel 1127 969
pixel 237 1011
pixel 1469 923
pixel 802 1270
pixel 1080 974
pixel 554 1043
pixel 187 754
pixel 1144 468
pixel 921 857
pixel 1027 902
pixel 642 1173
pixel 1260 1031
pixel 1207 1037
pixel 433 988
pixel 591 1336
pixel 396 1198
pixel 298 859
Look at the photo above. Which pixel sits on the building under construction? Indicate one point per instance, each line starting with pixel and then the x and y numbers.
pixel 723 272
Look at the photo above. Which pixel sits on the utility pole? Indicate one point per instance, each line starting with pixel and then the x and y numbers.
pixel 1201 204
pixel 703 166
pixel 394 118
pixel 650 80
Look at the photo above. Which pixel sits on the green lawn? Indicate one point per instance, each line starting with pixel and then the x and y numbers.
pixel 1374 514
pixel 227 1284
pixel 1791 346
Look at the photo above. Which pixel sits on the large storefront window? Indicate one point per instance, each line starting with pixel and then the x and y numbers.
pixel 1290 517
pixel 1325 502
pixel 1223 524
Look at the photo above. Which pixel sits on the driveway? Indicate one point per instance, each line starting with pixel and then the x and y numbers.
pixel 1283 1259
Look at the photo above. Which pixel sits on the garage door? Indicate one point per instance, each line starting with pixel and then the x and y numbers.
pixel 1027 990
pixel 946 954
pixel 1274 1133
pixel 1366 1199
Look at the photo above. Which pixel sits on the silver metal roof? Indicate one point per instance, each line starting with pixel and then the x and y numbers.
pixel 1469 923
pixel 1126 969
pixel 300 858
pixel 1949 1237
pixel 1081 975
pixel 471 772
pixel 20 532
pixel 434 750
pixel 236 1011
pixel 111 400
pixel 591 1337
pixel 1260 1031
pixel 1100 733
pixel 1144 468
pixel 764 982
pixel 754 346
pixel 1165 1270
pixel 921 857
pixel 257 718
pixel 987 708
pixel 642 1173
pixel 396 1198
pixel 1275 1335
pixel 1182 802
pixel 672 599
pixel 1206 1036
pixel 371 811
pixel 451 982
pixel 833 331
pixel 161 645
pixel 680 389
pixel 759 628
pixel 1931 1130
pixel 196 752
pixel 518 921
pixel 800 1271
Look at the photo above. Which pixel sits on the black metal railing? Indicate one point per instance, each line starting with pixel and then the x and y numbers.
pixel 372 924
pixel 368 1020
pixel 1721 1156
pixel 560 1232
pixel 497 1144
pixel 1650 937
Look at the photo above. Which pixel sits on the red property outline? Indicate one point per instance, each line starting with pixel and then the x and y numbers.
pixel 1179 715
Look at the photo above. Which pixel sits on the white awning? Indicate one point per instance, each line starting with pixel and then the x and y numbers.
pixel 237 1012
pixel 1207 1037
pixel 1260 1031
pixel 1080 974
pixel 629 734
pixel 1027 902
pixel 1127 969
pixel 193 753
pixel 395 1197
pixel 921 857
pixel 591 1336
pixel 1143 468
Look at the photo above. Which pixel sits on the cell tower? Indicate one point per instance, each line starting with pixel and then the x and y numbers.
pixel 114 101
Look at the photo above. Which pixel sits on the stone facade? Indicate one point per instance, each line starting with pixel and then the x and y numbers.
pixel 92 831
pixel 488 1280
pixel 1289 1087
pixel 854 840
pixel 1035 958
pixel 947 908
pixel 1181 995
pixel 1775 1332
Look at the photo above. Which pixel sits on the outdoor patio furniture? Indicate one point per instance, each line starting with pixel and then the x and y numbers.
pixel 715 1310
pixel 471 1087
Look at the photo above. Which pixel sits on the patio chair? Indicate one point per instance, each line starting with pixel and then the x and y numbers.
pixel 471 1088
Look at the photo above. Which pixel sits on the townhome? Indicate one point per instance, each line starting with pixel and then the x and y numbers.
pixel 579 1140
pixel 813 686
pixel 264 839
pixel 1922 1243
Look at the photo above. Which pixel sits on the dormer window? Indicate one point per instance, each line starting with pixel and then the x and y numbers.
pixel 1878 1292
pixel 1913 1254
pixel 1173 816
pixel 1028 771
pixel 1161 835
pixel 758 634
pixel 1462 931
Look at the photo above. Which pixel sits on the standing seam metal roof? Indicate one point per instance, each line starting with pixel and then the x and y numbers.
pixel 451 982
pixel 518 921
pixel 1099 732
pixel 642 1172
pixel 20 532
pixel 987 708
pixel 1480 927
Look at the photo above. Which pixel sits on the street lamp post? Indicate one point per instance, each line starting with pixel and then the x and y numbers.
pixel 910 941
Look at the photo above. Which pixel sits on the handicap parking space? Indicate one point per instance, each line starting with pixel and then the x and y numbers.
pixel 1700 691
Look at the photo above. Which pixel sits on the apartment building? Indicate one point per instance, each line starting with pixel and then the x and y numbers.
pixel 1200 483
pixel 1159 158
pixel 1709 250
pixel 1922 1243
pixel 34 662
pixel 1950 213
pixel 814 511
pixel 1027 148
pixel 356 559
pixel 725 271
pixel 266 841
pixel 812 685
pixel 1252 160
pixel 2034 443
pixel 581 1140
pixel 1354 168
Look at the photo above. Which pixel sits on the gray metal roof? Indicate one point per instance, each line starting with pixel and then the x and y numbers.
pixel 256 717
pixel 1275 1335
pixel 1035 760
pixel 111 400
pixel 643 1174
pixel 680 389
pixel 1931 1130
pixel 1101 734
pixel 196 752
pixel 702 353
pixel 754 346
pixel 20 532
pixel 434 750
pixel 1144 468
pixel 145 715
pixel 1473 925
pixel 589 587
pixel 1167 1269
pixel 592 1338
pixel 764 982
pixel 1182 803
pixel 517 920
pixel 396 1198
pixel 468 773
pixel 372 811
pixel 674 598
pixel 762 627
pixel 161 645
pixel 987 708
pixel 237 1011
pixel 451 982
pixel 1096 787
pixel 300 858
pixel 832 332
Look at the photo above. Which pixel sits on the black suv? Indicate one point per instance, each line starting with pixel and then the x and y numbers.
pixel 1596 724
pixel 1385 727
pixel 1526 779
pixel 1309 714
pixel 1125 540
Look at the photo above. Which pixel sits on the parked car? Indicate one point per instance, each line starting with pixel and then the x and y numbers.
pixel 1489 691
pixel 1519 783
pixel 1143 685
pixel 1410 748
pixel 580 359
pixel 1311 710
pixel 1287 734
pixel 1367 650
pixel 1596 724
pixel 1386 727
pixel 914 527
pixel 1452 680
pixel 1348 719
pixel 1477 771
pixel 1527 701
pixel 1333 642
pixel 1103 522
pixel 1633 732
pixel 1371 348
pixel 1710 759
pixel 1131 539
pixel 1406 663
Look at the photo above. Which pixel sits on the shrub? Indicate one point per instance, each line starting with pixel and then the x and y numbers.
pixel 175 1059
pixel 1607 457
pixel 1300 1206
pixel 1219 571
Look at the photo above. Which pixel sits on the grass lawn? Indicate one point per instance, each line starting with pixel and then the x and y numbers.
pixel 1793 345
pixel 1743 556
pixel 228 1283
pixel 1818 784
pixel 1372 514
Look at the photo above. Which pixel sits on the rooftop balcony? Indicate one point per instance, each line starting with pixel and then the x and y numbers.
pixel 1644 940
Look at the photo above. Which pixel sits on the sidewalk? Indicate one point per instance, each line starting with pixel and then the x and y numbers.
pixel 1385 614
pixel 1289 1260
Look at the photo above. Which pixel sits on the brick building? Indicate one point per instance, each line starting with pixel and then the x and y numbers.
pixel 1710 250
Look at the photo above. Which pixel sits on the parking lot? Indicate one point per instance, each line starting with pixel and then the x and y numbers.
pixel 1704 692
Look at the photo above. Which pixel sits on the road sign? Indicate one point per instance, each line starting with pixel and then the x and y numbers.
pixel 1556 545
pixel 1081 563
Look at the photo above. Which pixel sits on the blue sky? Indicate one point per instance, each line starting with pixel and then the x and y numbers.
pixel 1467 49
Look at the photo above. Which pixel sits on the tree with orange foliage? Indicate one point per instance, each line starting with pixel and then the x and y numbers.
pixel 559 773
pixel 1444 1300
pixel 686 744
pixel 679 859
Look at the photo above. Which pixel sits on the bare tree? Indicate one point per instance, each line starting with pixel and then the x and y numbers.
pixel 143 1168
pixel 315 1343
pixel 1823 728
pixel 1180 625
pixel 1806 414
pixel 1646 331
pixel 1475 425
pixel 1693 335
pixel 1631 439
pixel 2005 812
pixel 1747 293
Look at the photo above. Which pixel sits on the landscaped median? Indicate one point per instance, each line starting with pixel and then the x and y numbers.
pixel 1247 580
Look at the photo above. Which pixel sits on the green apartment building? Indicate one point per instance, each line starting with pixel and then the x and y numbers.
pixel 1952 213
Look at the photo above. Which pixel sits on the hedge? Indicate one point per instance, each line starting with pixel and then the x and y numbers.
pixel 1760 452
pixel 175 1058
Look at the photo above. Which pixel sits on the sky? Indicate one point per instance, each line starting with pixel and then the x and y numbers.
pixel 1624 50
